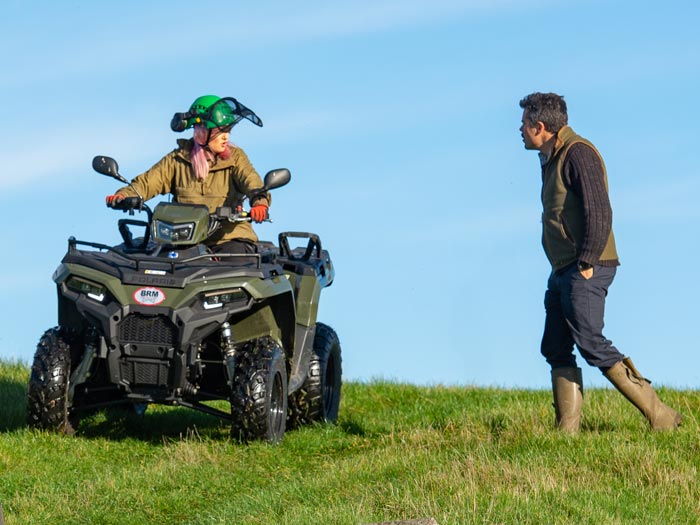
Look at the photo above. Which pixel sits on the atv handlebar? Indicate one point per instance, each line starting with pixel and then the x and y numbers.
pixel 226 213
pixel 128 204
pixel 223 213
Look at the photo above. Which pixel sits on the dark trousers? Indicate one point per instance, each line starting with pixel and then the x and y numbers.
pixel 235 246
pixel 575 308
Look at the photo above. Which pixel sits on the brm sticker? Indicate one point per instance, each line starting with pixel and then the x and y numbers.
pixel 149 296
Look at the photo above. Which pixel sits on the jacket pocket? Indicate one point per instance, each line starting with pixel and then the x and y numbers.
pixel 565 231
pixel 188 194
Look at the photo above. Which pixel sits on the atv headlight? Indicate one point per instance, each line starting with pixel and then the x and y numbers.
pixel 92 290
pixel 220 298
pixel 174 232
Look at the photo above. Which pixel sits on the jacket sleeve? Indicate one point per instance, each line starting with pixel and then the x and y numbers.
pixel 155 181
pixel 583 171
pixel 247 179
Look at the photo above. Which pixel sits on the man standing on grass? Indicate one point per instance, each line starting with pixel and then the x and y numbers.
pixel 579 243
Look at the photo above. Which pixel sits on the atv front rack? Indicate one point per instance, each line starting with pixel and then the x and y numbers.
pixel 145 269
pixel 148 258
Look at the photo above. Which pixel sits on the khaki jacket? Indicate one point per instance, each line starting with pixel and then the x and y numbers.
pixel 228 181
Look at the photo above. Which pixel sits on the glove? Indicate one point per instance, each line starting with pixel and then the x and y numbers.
pixel 258 212
pixel 113 199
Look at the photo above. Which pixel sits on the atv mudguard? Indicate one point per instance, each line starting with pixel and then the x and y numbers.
pixel 309 270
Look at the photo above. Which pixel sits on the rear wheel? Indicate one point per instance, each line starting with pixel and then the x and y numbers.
pixel 47 396
pixel 318 399
pixel 259 393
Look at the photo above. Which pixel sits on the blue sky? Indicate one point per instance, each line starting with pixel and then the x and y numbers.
pixel 399 122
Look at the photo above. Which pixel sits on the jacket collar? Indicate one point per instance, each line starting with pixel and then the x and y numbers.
pixel 184 150
pixel 562 137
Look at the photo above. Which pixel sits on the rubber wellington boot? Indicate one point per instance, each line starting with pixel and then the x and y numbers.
pixel 567 386
pixel 638 391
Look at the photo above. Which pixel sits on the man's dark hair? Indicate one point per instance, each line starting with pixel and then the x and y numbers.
pixel 548 108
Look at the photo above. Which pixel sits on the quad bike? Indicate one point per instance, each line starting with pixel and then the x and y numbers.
pixel 161 319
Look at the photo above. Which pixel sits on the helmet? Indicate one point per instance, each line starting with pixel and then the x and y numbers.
pixel 213 112
pixel 202 104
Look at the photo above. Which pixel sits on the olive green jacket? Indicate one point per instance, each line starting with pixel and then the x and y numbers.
pixel 563 222
pixel 227 182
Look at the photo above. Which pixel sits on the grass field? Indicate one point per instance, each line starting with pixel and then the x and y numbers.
pixel 398 452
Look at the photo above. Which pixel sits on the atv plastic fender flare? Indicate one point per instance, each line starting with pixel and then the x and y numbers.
pixel 303 343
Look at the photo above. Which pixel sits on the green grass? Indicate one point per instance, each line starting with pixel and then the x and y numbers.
pixel 398 452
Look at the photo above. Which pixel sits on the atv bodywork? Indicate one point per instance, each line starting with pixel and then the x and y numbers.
pixel 161 319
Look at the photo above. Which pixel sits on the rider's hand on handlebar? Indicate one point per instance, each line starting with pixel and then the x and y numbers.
pixel 258 212
pixel 114 199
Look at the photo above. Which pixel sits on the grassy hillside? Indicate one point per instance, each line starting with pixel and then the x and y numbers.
pixel 459 455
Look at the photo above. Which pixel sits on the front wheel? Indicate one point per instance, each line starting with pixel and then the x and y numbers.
pixel 47 397
pixel 318 399
pixel 259 393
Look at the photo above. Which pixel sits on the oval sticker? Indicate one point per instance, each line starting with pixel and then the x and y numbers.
pixel 149 296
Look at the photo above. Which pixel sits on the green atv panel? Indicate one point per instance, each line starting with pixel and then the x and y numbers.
pixel 258 298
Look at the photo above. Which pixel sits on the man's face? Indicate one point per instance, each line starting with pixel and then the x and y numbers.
pixel 532 137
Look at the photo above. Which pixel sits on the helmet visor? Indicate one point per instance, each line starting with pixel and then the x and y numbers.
pixel 228 112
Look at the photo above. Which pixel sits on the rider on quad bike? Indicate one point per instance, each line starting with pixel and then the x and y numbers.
pixel 197 310
pixel 207 169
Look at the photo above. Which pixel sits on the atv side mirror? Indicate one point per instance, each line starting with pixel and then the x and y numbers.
pixel 277 178
pixel 107 166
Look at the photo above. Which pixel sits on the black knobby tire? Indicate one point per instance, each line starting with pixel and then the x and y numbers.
pixel 318 399
pixel 47 396
pixel 259 393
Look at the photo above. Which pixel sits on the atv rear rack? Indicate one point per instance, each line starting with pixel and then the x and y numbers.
pixel 314 243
